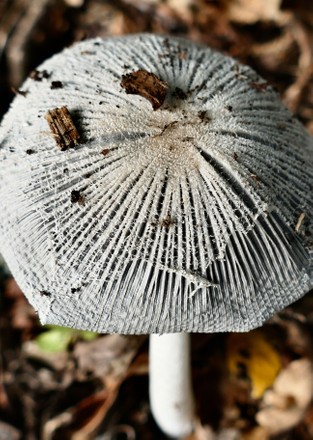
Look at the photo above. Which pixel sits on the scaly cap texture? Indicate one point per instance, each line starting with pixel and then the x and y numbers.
pixel 194 214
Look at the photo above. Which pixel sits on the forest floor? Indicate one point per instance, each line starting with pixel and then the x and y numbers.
pixel 57 383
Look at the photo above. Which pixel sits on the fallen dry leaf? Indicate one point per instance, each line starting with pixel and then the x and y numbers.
pixel 257 433
pixel 19 312
pixel 56 361
pixel 83 419
pixel 207 433
pixel 285 404
pixel 252 357
pixel 108 357
pixel 8 432
pixel 252 11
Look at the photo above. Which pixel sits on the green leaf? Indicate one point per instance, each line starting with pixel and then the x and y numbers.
pixel 56 339
pixel 87 335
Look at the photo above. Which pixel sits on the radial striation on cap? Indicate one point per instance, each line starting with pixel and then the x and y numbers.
pixel 190 213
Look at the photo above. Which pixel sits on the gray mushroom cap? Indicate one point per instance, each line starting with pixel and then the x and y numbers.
pixel 195 217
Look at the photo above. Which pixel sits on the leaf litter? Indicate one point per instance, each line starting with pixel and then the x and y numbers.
pixel 254 386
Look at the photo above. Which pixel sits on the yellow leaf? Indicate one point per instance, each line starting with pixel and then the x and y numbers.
pixel 251 355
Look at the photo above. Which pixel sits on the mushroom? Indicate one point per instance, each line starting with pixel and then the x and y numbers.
pixel 159 188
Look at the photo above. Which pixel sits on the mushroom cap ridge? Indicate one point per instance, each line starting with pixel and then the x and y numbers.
pixel 195 217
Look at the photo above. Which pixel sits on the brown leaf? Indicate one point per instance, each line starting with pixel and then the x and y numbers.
pixel 252 11
pixel 55 361
pixel 21 314
pixel 285 404
pixel 108 357
pixel 8 432
pixel 82 420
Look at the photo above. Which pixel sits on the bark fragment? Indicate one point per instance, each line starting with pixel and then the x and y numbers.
pixel 63 128
pixel 77 197
pixel 147 85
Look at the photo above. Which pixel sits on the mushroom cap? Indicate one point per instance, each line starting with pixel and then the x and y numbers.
pixel 194 217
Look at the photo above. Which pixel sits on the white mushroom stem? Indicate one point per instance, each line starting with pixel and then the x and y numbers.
pixel 171 396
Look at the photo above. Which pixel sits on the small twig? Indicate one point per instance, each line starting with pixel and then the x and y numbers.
pixel 191 277
pixel 300 221
pixel 15 45
pixel 9 21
